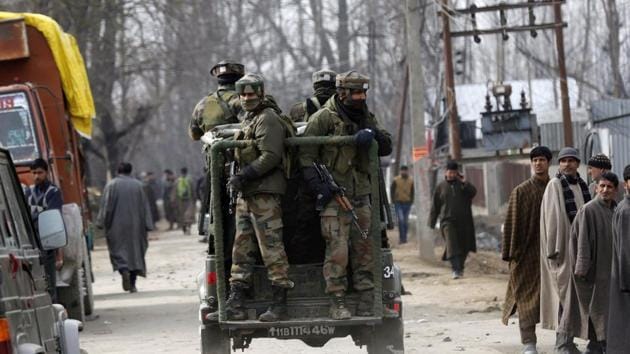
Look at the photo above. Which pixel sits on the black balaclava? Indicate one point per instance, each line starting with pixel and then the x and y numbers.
pixel 323 90
pixel 349 108
pixel 228 79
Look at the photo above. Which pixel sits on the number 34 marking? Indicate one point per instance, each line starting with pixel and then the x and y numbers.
pixel 388 272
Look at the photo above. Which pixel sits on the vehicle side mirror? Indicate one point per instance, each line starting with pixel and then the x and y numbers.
pixel 52 230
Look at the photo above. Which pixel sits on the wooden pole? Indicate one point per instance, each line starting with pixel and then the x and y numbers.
pixel 401 120
pixel 562 70
pixel 451 105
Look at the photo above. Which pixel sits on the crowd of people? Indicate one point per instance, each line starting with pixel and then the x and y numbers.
pixel 565 244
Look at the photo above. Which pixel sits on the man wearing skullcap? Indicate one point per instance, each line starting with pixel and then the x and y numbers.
pixel 597 165
pixel 521 248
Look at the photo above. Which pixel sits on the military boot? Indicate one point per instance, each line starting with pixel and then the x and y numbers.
pixel 235 309
pixel 278 309
pixel 365 307
pixel 338 309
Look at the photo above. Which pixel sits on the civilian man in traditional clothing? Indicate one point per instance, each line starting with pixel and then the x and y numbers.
pixel 521 247
pixel 564 195
pixel 618 333
pixel 452 202
pixel 126 217
pixel 401 192
pixel 597 165
pixel 590 255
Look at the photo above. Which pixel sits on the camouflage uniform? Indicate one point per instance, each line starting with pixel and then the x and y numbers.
pixel 261 183
pixel 259 218
pixel 218 107
pixel 349 166
pixel 204 116
pixel 258 211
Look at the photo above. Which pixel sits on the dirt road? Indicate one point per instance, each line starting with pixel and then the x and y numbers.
pixel 441 315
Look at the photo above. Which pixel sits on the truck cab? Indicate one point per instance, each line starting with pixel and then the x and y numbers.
pixel 45 107
pixel 307 302
pixel 29 321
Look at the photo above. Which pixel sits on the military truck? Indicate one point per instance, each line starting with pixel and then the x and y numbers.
pixel 45 107
pixel 308 304
pixel 29 321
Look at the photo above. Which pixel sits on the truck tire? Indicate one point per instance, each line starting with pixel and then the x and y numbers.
pixel 88 294
pixel 71 297
pixel 214 340
pixel 388 338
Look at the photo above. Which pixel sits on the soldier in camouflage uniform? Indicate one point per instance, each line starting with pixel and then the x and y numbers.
pixel 323 87
pixel 221 106
pixel 261 183
pixel 346 113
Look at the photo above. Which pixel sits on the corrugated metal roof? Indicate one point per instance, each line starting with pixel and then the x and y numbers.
pixel 603 109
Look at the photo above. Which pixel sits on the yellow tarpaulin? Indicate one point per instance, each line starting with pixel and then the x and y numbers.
pixel 74 80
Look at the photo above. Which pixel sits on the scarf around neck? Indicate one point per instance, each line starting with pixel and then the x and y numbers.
pixel 569 197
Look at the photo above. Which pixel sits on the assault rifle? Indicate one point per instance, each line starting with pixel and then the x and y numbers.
pixel 340 195
pixel 232 193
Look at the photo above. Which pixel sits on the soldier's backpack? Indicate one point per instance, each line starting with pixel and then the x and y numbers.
pixel 290 155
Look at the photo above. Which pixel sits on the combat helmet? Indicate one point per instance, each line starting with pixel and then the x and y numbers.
pixel 251 83
pixel 225 67
pixel 352 80
pixel 324 75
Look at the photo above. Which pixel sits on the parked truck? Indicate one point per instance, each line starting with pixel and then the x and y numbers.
pixel 46 107
pixel 29 322
pixel 307 302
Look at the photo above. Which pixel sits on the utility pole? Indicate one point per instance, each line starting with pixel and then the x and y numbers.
pixel 455 149
pixel 372 43
pixel 401 119
pixel 421 166
pixel 562 70
pixel 504 29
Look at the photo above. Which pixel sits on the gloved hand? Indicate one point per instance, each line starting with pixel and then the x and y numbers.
pixel 364 137
pixel 237 182
pixel 324 195
pixel 322 192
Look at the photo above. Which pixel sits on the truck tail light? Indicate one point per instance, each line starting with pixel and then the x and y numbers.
pixel 211 278
pixel 397 307
pixel 5 337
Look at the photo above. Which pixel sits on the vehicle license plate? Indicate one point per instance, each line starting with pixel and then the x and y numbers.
pixel 301 331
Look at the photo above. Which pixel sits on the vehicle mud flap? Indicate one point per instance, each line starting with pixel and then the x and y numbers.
pixel 388 337
pixel 214 340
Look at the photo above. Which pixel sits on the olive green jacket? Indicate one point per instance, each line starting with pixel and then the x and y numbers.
pixel 348 165
pixel 208 114
pixel 265 156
